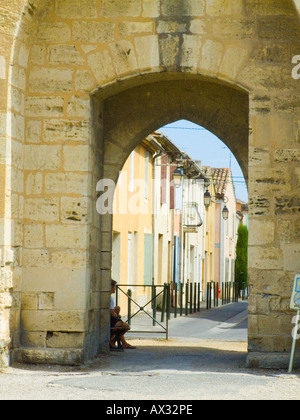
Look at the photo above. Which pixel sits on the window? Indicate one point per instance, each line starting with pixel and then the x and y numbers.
pixel 146 175
pixel 131 176
pixel 148 258
pixel 129 265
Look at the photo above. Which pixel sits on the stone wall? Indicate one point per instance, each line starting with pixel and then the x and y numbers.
pixel 61 64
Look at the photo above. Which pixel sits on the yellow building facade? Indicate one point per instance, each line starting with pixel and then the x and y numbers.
pixel 132 248
pixel 210 226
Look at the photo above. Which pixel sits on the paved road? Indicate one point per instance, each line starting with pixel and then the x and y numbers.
pixel 204 359
pixel 227 323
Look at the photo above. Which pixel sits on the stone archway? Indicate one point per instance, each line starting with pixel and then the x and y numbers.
pixel 127 117
pixel 59 55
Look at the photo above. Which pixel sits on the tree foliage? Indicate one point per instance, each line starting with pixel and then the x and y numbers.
pixel 241 263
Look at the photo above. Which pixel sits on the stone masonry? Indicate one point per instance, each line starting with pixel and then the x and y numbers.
pixel 82 82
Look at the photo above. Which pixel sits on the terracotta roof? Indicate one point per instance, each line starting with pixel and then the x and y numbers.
pixel 221 177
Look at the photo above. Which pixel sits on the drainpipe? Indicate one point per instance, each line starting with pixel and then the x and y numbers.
pixel 182 237
pixel 154 213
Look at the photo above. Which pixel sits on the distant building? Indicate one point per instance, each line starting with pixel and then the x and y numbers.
pixel 158 229
pixel 225 230
pixel 242 212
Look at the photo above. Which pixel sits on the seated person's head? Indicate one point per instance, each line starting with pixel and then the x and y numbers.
pixel 113 286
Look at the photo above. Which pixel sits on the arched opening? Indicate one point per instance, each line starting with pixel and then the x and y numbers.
pixel 166 235
pixel 126 118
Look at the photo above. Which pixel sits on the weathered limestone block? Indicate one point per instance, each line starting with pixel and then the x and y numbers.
pixel 74 210
pixel 291 254
pixel 287 205
pixel 169 45
pixel 224 7
pixel 23 56
pixel 40 79
pixel 114 8
pixel 261 232
pixel 35 257
pixel 242 29
pixel 33 236
pixel 39 106
pixel 233 61
pixel 259 304
pixel 33 131
pixel 271 53
pixel 34 183
pixel 42 209
pixel 66 130
pixel 29 301
pixel 198 26
pixel 179 8
pixel 101 65
pixel 128 28
pixel 62 183
pixel 147 51
pixel 265 258
pixel 73 299
pixel 283 28
pixel 124 57
pixel 285 233
pixel 66 236
pixel 79 106
pixel 211 56
pixel 190 51
pixel 18 77
pixel 69 258
pixel 54 32
pixel 46 301
pixel 265 282
pixel 8 22
pixel 73 10
pixel 65 54
pixel 93 32
pixel 269 7
pixel 287 155
pixel 33 339
pixel 288 103
pixel 17 100
pixel 50 279
pixel 38 54
pixel 3 71
pixel 171 26
pixel 84 81
pixel 65 340
pixel 5 279
pixel 260 157
pixel 42 157
pixel 50 356
pixel 47 320
pixel 151 8
pixel 76 158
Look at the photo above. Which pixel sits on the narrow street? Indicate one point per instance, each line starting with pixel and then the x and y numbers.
pixel 204 359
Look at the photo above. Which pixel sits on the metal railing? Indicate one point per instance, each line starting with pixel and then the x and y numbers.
pixel 178 299
pixel 155 294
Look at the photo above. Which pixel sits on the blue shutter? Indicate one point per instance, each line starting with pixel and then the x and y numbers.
pixel 176 258
pixel 148 258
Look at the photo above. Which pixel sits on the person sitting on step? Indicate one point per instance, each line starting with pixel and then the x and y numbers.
pixel 118 327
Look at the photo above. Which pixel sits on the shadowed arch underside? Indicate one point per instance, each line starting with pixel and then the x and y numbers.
pixel 131 115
